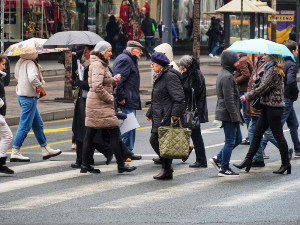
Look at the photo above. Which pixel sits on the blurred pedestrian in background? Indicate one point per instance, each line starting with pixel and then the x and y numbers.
pixel 122 37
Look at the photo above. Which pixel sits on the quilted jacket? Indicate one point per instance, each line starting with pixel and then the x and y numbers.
pixel 100 111
pixel 243 72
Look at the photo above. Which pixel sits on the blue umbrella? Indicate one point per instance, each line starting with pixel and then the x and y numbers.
pixel 261 46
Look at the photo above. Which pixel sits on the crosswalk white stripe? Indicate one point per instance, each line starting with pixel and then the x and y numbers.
pixel 37 166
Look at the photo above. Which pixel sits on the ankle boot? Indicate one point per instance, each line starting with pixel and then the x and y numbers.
pixel 164 174
pixel 16 156
pixel 126 168
pixel 246 163
pixel 48 152
pixel 283 168
pixel 3 167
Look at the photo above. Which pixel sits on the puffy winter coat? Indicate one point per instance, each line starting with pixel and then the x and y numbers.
pixel 100 112
pixel 128 87
pixel 290 80
pixel 243 72
pixel 193 78
pixel 228 103
pixel 270 89
pixel 167 50
pixel 167 98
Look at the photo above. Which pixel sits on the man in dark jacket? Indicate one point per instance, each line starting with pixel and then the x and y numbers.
pixel 228 111
pixel 128 87
pixel 149 35
pixel 242 76
pixel 215 37
pixel 290 95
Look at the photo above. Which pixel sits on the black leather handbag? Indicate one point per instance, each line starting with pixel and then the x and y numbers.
pixel 256 104
pixel 190 117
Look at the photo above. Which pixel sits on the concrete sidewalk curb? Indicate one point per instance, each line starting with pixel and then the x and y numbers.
pixel 46 116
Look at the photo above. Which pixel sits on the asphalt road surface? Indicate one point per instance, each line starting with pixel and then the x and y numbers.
pixel 51 192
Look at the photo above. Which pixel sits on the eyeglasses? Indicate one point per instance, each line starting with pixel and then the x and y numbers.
pixel 138 49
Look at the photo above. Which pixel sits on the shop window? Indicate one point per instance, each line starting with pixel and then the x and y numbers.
pixel 235 28
pixel 12 20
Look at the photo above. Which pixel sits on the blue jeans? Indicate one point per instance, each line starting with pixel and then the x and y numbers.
pixel 233 137
pixel 288 116
pixel 30 118
pixel 215 47
pixel 148 42
pixel 128 137
pixel 268 135
pixel 243 103
pixel 199 146
pixel 118 48
pixel 210 45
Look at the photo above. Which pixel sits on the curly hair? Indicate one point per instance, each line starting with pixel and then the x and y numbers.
pixel 278 64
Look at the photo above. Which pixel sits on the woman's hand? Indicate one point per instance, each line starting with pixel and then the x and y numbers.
pixel 117 77
pixel 40 86
pixel 243 98
pixel 148 119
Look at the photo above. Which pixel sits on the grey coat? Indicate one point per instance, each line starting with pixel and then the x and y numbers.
pixel 228 103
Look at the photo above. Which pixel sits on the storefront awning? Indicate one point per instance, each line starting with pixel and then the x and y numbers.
pixel 263 6
pixel 235 6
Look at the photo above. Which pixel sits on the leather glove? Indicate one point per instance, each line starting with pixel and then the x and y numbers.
pixel 77 82
pixel 236 124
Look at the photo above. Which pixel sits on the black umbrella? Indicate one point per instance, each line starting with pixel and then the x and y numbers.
pixel 70 39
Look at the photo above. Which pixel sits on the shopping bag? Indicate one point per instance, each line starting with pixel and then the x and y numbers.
pixel 174 141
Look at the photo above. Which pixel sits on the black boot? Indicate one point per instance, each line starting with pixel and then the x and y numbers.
pixel 4 168
pixel 246 163
pixel 283 168
pixel 125 152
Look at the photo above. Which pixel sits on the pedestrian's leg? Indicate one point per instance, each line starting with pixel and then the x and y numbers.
pixel 38 129
pixel 261 125
pixel 79 152
pixel 152 45
pixel 274 118
pixel 230 132
pixel 147 43
pixel 117 50
pixel 115 146
pixel 293 124
pixel 199 146
pixel 86 147
pixel 28 107
pixel 6 137
pixel 129 137
pixel 243 103
pixel 215 48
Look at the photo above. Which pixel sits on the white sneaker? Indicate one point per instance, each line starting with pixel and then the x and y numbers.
pixel 73 146
pixel 216 57
pixel 16 156
pixel 211 55
pixel 48 152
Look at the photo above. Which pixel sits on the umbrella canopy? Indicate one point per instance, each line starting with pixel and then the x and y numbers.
pixel 261 46
pixel 69 39
pixel 30 46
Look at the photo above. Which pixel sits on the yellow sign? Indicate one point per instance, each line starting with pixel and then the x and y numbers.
pixel 282 18
pixel 239 21
pixel 279 50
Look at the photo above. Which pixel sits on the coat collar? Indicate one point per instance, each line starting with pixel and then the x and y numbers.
pixel 133 57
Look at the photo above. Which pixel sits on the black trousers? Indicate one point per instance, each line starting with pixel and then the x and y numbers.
pixel 269 117
pixel 114 143
pixel 166 163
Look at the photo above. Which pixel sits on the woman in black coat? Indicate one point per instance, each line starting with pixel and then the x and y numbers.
pixel 112 31
pixel 122 37
pixel 193 79
pixel 167 101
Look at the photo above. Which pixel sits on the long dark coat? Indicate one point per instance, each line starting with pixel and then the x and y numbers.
pixel 193 78
pixel 167 98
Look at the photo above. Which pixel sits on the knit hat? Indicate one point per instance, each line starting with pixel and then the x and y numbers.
pixel 102 46
pixel 160 58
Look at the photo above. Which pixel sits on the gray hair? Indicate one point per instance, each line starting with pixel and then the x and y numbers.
pixel 186 61
pixel 129 48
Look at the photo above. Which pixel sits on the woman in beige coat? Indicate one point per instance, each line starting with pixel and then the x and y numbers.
pixel 100 111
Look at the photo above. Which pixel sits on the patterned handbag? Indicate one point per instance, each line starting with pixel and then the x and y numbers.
pixel 174 141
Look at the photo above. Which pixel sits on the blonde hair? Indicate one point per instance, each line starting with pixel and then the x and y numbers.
pixel 278 64
pixel 120 21
pixel 103 53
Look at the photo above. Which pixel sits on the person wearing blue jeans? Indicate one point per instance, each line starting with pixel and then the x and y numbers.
pixel 228 111
pixel 150 44
pixel 128 137
pixel 30 84
pixel 233 137
pixel 246 117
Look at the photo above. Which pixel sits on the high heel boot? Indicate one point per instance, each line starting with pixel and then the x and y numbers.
pixel 283 168
pixel 246 163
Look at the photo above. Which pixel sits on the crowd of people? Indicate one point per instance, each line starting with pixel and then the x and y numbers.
pixel 103 90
